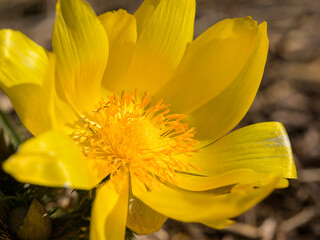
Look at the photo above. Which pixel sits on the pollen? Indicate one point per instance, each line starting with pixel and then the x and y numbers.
pixel 132 134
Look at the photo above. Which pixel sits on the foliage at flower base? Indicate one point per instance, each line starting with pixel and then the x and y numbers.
pixel 62 222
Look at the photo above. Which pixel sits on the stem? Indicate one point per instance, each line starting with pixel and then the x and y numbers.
pixel 7 126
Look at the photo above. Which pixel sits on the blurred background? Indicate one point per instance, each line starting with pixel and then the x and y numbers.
pixel 289 93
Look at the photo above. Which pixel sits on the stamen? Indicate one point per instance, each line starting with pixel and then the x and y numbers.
pixel 123 132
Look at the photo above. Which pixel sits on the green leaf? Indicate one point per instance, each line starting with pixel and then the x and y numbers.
pixel 7 126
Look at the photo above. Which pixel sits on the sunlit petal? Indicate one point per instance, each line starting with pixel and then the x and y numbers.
pixel 221 114
pixel 204 183
pixel 142 219
pixel 52 159
pixel 262 147
pixel 206 207
pixel 216 58
pixel 81 46
pixel 61 116
pixel 167 29
pixel 122 33
pixel 109 212
pixel 144 12
pixel 22 69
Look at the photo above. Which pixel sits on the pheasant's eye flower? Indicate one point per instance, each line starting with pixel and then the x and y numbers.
pixel 134 101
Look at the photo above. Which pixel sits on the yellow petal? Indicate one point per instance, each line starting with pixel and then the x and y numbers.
pixel 211 63
pixel 51 159
pixel 22 69
pixel 109 212
pixel 122 33
pixel 81 46
pixel 161 43
pixel 205 207
pixel 219 224
pixel 203 183
pixel 221 114
pixel 61 116
pixel 142 219
pixel 262 147
pixel 144 12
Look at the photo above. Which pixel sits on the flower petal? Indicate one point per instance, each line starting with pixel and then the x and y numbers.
pixel 219 224
pixel 109 212
pixel 61 116
pixel 142 219
pixel 262 147
pixel 221 114
pixel 23 67
pixel 122 33
pixel 52 159
pixel 144 13
pixel 211 63
pixel 81 46
pixel 204 183
pixel 161 43
pixel 205 207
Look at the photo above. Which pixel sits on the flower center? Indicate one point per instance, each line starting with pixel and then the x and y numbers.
pixel 124 132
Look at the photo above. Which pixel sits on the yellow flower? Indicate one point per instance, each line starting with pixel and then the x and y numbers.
pixel 87 104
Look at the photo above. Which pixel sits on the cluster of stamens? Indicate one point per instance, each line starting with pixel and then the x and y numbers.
pixel 127 133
